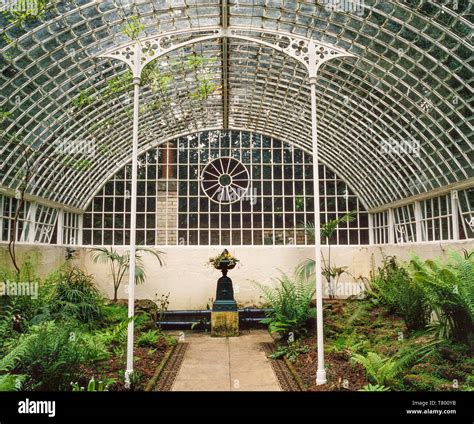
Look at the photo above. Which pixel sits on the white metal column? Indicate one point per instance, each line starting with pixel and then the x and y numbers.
pixel 133 227
pixel 321 372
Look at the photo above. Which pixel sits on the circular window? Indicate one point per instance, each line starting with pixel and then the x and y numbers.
pixel 225 180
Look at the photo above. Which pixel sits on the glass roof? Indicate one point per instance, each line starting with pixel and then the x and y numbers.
pixel 393 121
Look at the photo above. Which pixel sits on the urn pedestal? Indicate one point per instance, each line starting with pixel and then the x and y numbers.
pixel 224 314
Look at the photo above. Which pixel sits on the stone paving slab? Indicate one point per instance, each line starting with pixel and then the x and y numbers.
pixel 226 364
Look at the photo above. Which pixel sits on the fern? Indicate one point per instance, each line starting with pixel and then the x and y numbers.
pixel 393 286
pixel 374 388
pixel 11 382
pixel 379 370
pixel 449 290
pixel 290 302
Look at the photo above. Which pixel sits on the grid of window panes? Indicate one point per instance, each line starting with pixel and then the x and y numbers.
pixel 436 218
pixel 466 212
pixel 45 225
pixel 8 208
pixel 380 227
pixel 173 209
pixel 405 224
pixel 70 228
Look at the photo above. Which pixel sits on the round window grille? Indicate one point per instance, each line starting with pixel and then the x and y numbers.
pixel 225 180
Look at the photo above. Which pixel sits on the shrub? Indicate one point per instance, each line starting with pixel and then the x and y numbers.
pixel 290 303
pixel 394 287
pixel 449 290
pixel 75 295
pixel 49 354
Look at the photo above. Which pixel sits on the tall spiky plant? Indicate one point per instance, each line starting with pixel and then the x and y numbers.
pixel 306 268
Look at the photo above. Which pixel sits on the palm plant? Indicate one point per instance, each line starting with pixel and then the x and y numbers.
pixel 332 274
pixel 120 264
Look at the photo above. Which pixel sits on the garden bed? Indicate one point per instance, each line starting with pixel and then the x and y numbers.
pixel 360 326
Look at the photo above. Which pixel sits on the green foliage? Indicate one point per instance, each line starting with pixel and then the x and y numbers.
pixel 163 304
pixel 379 370
pixel 11 382
pixel 94 386
pixel 290 351
pixel 119 264
pixel 449 290
pixel 74 295
pixel 4 114
pixel 291 306
pixel 393 286
pixel 83 99
pixel 35 10
pixel 119 84
pixel 374 388
pixel 383 371
pixel 148 339
pixel 205 88
pixel 49 354
pixel 133 28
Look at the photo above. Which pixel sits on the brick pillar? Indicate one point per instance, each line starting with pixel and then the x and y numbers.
pixel 167 199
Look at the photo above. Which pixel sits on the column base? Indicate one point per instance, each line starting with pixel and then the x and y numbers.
pixel 321 377
pixel 225 324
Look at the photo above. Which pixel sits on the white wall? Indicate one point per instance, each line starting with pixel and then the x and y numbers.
pixel 191 282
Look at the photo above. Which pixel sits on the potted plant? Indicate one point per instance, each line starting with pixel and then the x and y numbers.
pixel 224 261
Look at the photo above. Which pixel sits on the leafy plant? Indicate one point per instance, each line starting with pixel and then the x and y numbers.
pixel 332 274
pixel 133 28
pixel 11 382
pixel 119 264
pixel 148 339
pixel 379 370
pixel 290 303
pixel 4 114
pixel 93 386
pixel 83 99
pixel 290 351
pixel 49 354
pixel 383 371
pixel 163 304
pixel 449 290
pixel 374 388
pixel 393 286
pixel 224 256
pixel 74 295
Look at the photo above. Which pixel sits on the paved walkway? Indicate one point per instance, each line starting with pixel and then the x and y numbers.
pixel 226 364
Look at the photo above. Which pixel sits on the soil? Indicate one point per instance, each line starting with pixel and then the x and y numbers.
pixel 146 361
pixel 359 326
pixel 341 373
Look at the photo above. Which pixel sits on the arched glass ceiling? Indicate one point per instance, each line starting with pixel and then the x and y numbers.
pixel 394 121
